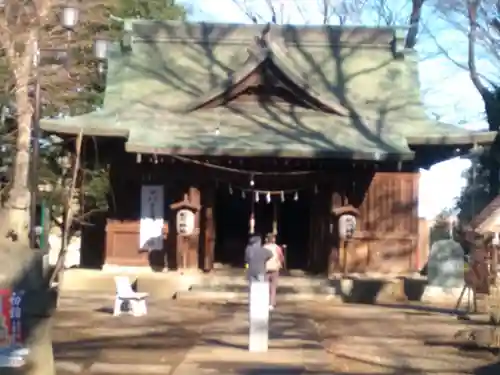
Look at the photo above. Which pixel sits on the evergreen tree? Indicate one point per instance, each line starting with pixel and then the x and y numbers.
pixel 475 195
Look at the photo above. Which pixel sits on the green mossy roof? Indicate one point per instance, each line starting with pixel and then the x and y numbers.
pixel 155 89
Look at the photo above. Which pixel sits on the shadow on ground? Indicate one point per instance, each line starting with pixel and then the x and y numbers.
pixel 403 341
pixel 288 330
pixel 263 369
pixel 163 337
pixel 393 339
pixel 491 369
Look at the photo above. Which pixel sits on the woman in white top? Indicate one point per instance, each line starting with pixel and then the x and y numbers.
pixel 273 267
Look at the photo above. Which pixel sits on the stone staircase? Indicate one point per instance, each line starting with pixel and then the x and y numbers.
pixel 234 287
pixel 231 284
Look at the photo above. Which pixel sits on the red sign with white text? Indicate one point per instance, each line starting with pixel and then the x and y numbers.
pixel 5 321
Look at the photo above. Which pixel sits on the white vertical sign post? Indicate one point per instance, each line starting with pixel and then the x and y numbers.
pixel 152 212
pixel 258 337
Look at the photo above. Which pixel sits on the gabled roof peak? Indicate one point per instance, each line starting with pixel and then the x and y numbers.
pixel 266 49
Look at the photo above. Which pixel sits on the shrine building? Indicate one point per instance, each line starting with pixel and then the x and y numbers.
pixel 214 131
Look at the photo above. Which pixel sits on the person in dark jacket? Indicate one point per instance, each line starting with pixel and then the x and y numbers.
pixel 256 257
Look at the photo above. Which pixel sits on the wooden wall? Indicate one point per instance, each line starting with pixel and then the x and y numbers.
pixel 122 239
pixel 387 238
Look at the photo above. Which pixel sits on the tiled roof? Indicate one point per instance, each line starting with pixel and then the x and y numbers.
pixel 486 218
pixel 155 85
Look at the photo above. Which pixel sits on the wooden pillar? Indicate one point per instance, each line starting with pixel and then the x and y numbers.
pixel 315 234
pixel 207 229
pixel 335 258
pixel 416 257
pixel 312 236
pixel 193 245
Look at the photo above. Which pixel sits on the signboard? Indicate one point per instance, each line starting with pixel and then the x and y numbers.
pixel 16 334
pixel 5 322
pixel 12 352
pixel 10 318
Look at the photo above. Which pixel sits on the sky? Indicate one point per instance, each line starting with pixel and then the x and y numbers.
pixel 447 91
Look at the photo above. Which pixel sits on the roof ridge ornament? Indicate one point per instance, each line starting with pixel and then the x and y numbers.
pixel 262 40
pixel 398 43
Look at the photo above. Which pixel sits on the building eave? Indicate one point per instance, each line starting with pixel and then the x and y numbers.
pixel 75 125
pixel 472 138
pixel 282 153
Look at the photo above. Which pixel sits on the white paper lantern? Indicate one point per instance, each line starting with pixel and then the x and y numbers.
pixel 347 225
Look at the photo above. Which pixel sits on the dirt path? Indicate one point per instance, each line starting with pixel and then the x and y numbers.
pixel 360 339
pixel 88 339
pixel 367 340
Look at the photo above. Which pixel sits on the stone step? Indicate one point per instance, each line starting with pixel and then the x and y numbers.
pixel 158 285
pixel 87 280
pixel 282 289
pixel 292 281
pixel 239 296
pixel 165 285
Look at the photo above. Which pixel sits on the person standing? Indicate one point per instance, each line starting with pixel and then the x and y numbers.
pixel 273 267
pixel 256 257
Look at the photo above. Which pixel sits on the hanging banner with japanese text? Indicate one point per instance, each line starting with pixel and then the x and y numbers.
pixel 16 334
pixel 5 325
pixel 152 212
pixel 10 319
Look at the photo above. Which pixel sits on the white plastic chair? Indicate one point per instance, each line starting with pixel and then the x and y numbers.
pixel 124 294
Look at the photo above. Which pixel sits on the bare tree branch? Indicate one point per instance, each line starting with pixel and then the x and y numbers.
pixel 472 8
pixel 378 12
pixel 301 11
pixel 326 12
pixel 68 211
pixel 243 6
pixel 442 51
pixel 273 11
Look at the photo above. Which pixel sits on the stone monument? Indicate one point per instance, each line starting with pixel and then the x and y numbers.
pixel 445 277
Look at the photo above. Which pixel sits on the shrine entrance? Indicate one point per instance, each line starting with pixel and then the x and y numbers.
pixel 286 214
pixel 293 230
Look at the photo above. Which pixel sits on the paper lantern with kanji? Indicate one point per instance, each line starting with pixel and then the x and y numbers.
pixel 347 221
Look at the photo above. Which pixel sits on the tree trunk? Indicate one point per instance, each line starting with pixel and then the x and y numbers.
pixel 21 268
pixel 491 102
pixel 416 12
pixel 14 218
